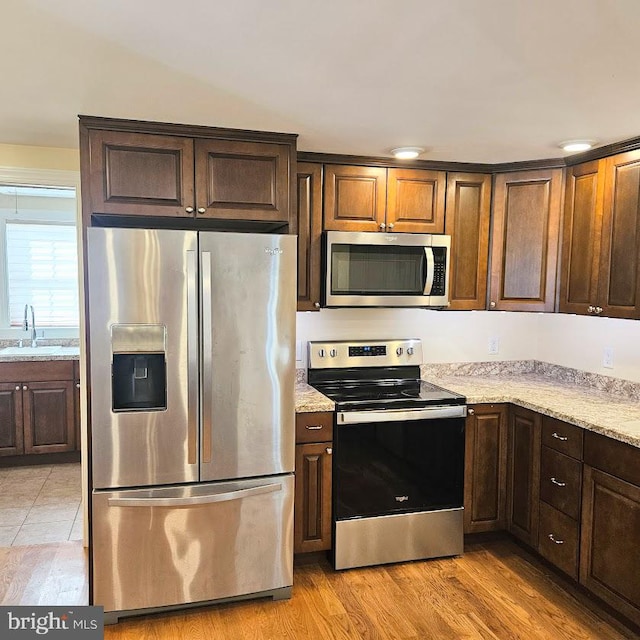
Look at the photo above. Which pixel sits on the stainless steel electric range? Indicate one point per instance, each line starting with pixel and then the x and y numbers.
pixel 398 464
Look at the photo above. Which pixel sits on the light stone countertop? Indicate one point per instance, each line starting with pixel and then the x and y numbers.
pixel 608 414
pixel 616 415
pixel 64 353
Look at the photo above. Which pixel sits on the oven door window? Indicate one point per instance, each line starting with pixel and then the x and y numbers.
pixel 398 467
pixel 377 270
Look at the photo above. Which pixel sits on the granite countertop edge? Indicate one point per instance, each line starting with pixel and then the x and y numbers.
pixel 66 353
pixel 594 410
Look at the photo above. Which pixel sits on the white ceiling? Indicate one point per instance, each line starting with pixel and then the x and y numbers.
pixel 470 80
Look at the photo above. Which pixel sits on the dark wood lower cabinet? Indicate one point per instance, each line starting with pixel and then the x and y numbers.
pixel 49 417
pixel 37 413
pixel 314 455
pixel 524 474
pixel 11 432
pixel 610 536
pixel 485 468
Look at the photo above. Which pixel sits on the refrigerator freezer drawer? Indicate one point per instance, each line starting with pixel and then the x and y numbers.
pixel 179 545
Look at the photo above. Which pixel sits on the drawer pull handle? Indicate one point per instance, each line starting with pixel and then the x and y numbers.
pixel 558 483
pixel 557 436
pixel 553 539
pixel 313 427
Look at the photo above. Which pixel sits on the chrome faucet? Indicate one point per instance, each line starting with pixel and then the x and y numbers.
pixel 25 325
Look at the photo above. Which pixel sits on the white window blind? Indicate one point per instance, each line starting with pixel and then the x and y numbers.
pixel 42 270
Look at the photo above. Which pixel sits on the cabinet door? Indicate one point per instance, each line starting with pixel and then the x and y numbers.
pixel 309 235
pixel 140 174
pixel 485 468
pixel 242 180
pixel 312 529
pixel 524 254
pixel 619 284
pixel 467 222
pixel 49 417
pixel 11 442
pixel 610 538
pixel 523 480
pixel 415 200
pixel 354 198
pixel 581 237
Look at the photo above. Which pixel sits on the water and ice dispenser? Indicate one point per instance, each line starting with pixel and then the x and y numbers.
pixel 139 367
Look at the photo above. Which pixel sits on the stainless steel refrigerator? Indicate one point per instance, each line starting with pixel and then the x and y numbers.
pixel 192 367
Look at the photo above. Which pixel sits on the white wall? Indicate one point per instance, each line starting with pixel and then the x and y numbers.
pixel 463 336
pixel 447 336
pixel 579 342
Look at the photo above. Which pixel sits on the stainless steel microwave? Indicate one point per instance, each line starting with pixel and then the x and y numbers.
pixel 370 269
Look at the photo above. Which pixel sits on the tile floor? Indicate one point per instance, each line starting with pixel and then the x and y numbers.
pixel 40 504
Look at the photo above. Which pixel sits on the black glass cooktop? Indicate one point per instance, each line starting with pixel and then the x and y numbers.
pixel 379 391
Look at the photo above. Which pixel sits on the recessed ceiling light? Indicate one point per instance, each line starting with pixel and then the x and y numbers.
pixel 576 145
pixel 407 153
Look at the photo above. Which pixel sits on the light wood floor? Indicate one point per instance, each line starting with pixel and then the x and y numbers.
pixel 494 591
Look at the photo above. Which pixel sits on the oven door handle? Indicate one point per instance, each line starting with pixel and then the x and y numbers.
pixel 396 415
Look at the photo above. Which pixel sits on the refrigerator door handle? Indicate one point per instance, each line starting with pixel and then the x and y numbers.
pixel 207 362
pixel 190 501
pixel 192 359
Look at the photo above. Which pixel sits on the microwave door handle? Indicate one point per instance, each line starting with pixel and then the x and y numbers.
pixel 430 263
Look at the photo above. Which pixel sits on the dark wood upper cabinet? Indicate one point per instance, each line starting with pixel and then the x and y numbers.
pixel 415 201
pixel 526 221
pixel 140 174
pixel 468 214
pixel 619 282
pixel 379 199
pixel 242 180
pixel 309 235
pixel 581 237
pixel 354 198
pixel 152 169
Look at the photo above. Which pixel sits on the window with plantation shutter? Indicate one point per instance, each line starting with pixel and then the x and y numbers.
pixel 42 270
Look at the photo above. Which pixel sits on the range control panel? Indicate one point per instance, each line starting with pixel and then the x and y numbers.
pixel 373 353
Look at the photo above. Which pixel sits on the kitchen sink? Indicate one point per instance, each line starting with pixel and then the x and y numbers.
pixel 29 351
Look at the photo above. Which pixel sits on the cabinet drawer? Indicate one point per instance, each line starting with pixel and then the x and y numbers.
pixel 558 539
pixel 562 436
pixel 560 482
pixel 615 457
pixel 36 371
pixel 314 427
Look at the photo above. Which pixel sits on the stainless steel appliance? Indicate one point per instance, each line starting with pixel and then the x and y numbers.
pixel 192 355
pixel 385 269
pixel 398 463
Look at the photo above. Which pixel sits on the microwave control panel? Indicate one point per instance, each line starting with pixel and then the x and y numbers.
pixel 439 271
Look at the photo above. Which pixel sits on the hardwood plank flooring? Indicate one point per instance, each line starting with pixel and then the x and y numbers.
pixel 495 591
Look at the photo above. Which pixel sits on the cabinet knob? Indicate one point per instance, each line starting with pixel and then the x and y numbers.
pixel 554 539
pixel 329 451
pixel 590 309
pixel 25 388
pixel 492 304
pixel 316 305
pixel 77 385
pixel 17 387
pixel 189 209
pixel 201 210
pixel 382 225
pixel 471 412
pixel 598 309
pixel 390 225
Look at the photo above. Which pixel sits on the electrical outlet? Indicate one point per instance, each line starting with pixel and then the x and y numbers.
pixel 607 358
pixel 494 345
